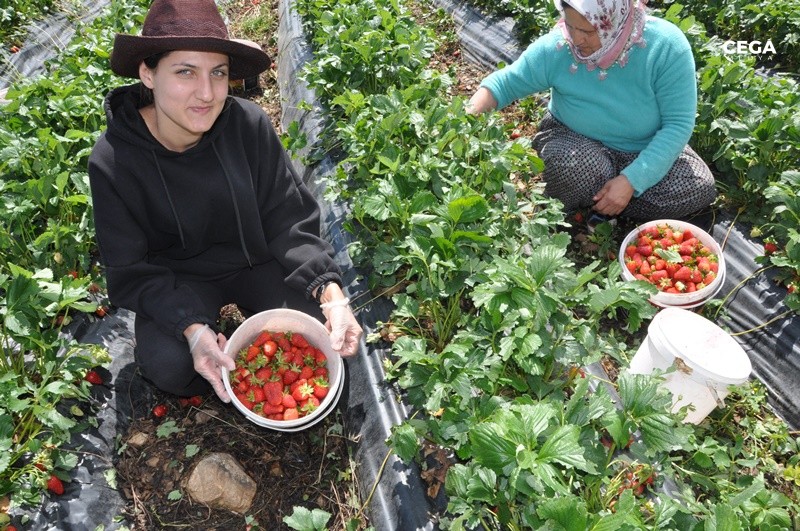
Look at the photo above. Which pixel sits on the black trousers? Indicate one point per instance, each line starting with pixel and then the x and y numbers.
pixel 166 362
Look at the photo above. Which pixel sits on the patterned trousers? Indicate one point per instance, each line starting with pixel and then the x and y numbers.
pixel 576 167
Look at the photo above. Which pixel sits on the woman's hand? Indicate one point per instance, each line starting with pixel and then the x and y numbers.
pixel 342 324
pixel 482 101
pixel 614 196
pixel 208 354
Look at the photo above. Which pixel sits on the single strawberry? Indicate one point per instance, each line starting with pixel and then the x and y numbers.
pixel 307 372
pixel 320 387
pixel 160 410
pixel 252 353
pixel 273 392
pixel 196 401
pixel 55 485
pixel 578 217
pixel 299 340
pixel 93 377
pixel 262 338
pixel 100 311
pixel 289 401
pixel 303 392
pixel 683 273
pixel 291 414
pixel 770 247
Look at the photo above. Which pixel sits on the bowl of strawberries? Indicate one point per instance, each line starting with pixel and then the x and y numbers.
pixel 682 260
pixel 287 376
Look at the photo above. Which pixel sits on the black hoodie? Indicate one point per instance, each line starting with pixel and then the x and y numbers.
pixel 230 202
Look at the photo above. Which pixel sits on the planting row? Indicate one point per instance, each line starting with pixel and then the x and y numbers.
pixel 48 271
pixel 493 320
pixel 748 123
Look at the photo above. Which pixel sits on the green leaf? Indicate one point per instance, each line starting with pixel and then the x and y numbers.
pixel 167 429
pixel 304 520
pixel 175 495
pixel 568 512
pixel 191 450
pixel 492 449
pixel 467 209
pixel 670 255
pixel 404 442
pixel 563 447
pixel 724 519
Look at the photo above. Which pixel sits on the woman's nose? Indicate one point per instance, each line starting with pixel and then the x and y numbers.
pixel 204 90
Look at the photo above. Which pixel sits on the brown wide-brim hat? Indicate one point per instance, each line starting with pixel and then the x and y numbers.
pixel 186 25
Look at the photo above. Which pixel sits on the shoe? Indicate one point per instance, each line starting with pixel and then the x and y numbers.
pixel 596 219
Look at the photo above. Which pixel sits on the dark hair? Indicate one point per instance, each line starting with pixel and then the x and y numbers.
pixel 146 94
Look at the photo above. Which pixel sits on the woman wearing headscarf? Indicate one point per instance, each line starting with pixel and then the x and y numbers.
pixel 623 99
pixel 196 203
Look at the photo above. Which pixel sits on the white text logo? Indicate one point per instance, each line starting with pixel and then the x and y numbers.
pixel 745 47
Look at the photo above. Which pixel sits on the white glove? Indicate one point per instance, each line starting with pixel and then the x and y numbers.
pixel 207 353
pixel 343 326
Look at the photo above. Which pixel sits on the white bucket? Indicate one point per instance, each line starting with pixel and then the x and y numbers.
pixel 285 320
pixel 706 360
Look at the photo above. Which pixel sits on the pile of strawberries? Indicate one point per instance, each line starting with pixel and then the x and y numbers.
pixel 674 261
pixel 280 376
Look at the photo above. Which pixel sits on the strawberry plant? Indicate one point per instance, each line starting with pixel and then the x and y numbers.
pixel 491 319
pixel 47 268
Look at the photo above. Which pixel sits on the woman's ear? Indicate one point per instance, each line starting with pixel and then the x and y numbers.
pixel 146 75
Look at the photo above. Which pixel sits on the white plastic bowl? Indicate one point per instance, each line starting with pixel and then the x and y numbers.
pixel 284 320
pixel 679 300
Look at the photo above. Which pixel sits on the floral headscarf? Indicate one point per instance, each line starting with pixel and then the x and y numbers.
pixel 619 24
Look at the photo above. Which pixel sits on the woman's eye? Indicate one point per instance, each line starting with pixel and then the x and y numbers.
pixel 220 73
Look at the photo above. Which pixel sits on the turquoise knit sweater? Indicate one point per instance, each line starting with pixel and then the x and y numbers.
pixel 646 107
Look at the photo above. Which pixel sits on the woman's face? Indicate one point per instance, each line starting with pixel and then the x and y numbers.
pixel 189 91
pixel 583 35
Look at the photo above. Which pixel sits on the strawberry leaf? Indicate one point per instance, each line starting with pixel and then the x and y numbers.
pixel 568 513
pixel 670 255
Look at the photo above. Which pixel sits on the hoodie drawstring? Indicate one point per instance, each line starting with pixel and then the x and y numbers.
pixel 169 199
pixel 235 205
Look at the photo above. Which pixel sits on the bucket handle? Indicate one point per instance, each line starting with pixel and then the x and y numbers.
pixel 720 402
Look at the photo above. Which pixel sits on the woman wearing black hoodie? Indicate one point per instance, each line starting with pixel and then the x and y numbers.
pixel 196 204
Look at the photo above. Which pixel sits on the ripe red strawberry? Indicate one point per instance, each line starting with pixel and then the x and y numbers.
pixel 770 247
pixel 256 395
pixel 93 377
pixel 100 311
pixel 320 387
pixel 269 348
pixel 273 392
pixel 291 414
pixel 160 410
pixel 291 375
pixel 683 273
pixel 578 217
pixel 196 401
pixel 514 134
pixel 252 353
pixel 262 338
pixel 272 409
pixel 55 485
pixel 298 340
pixel 289 401
pixel 303 392
pixel 307 372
